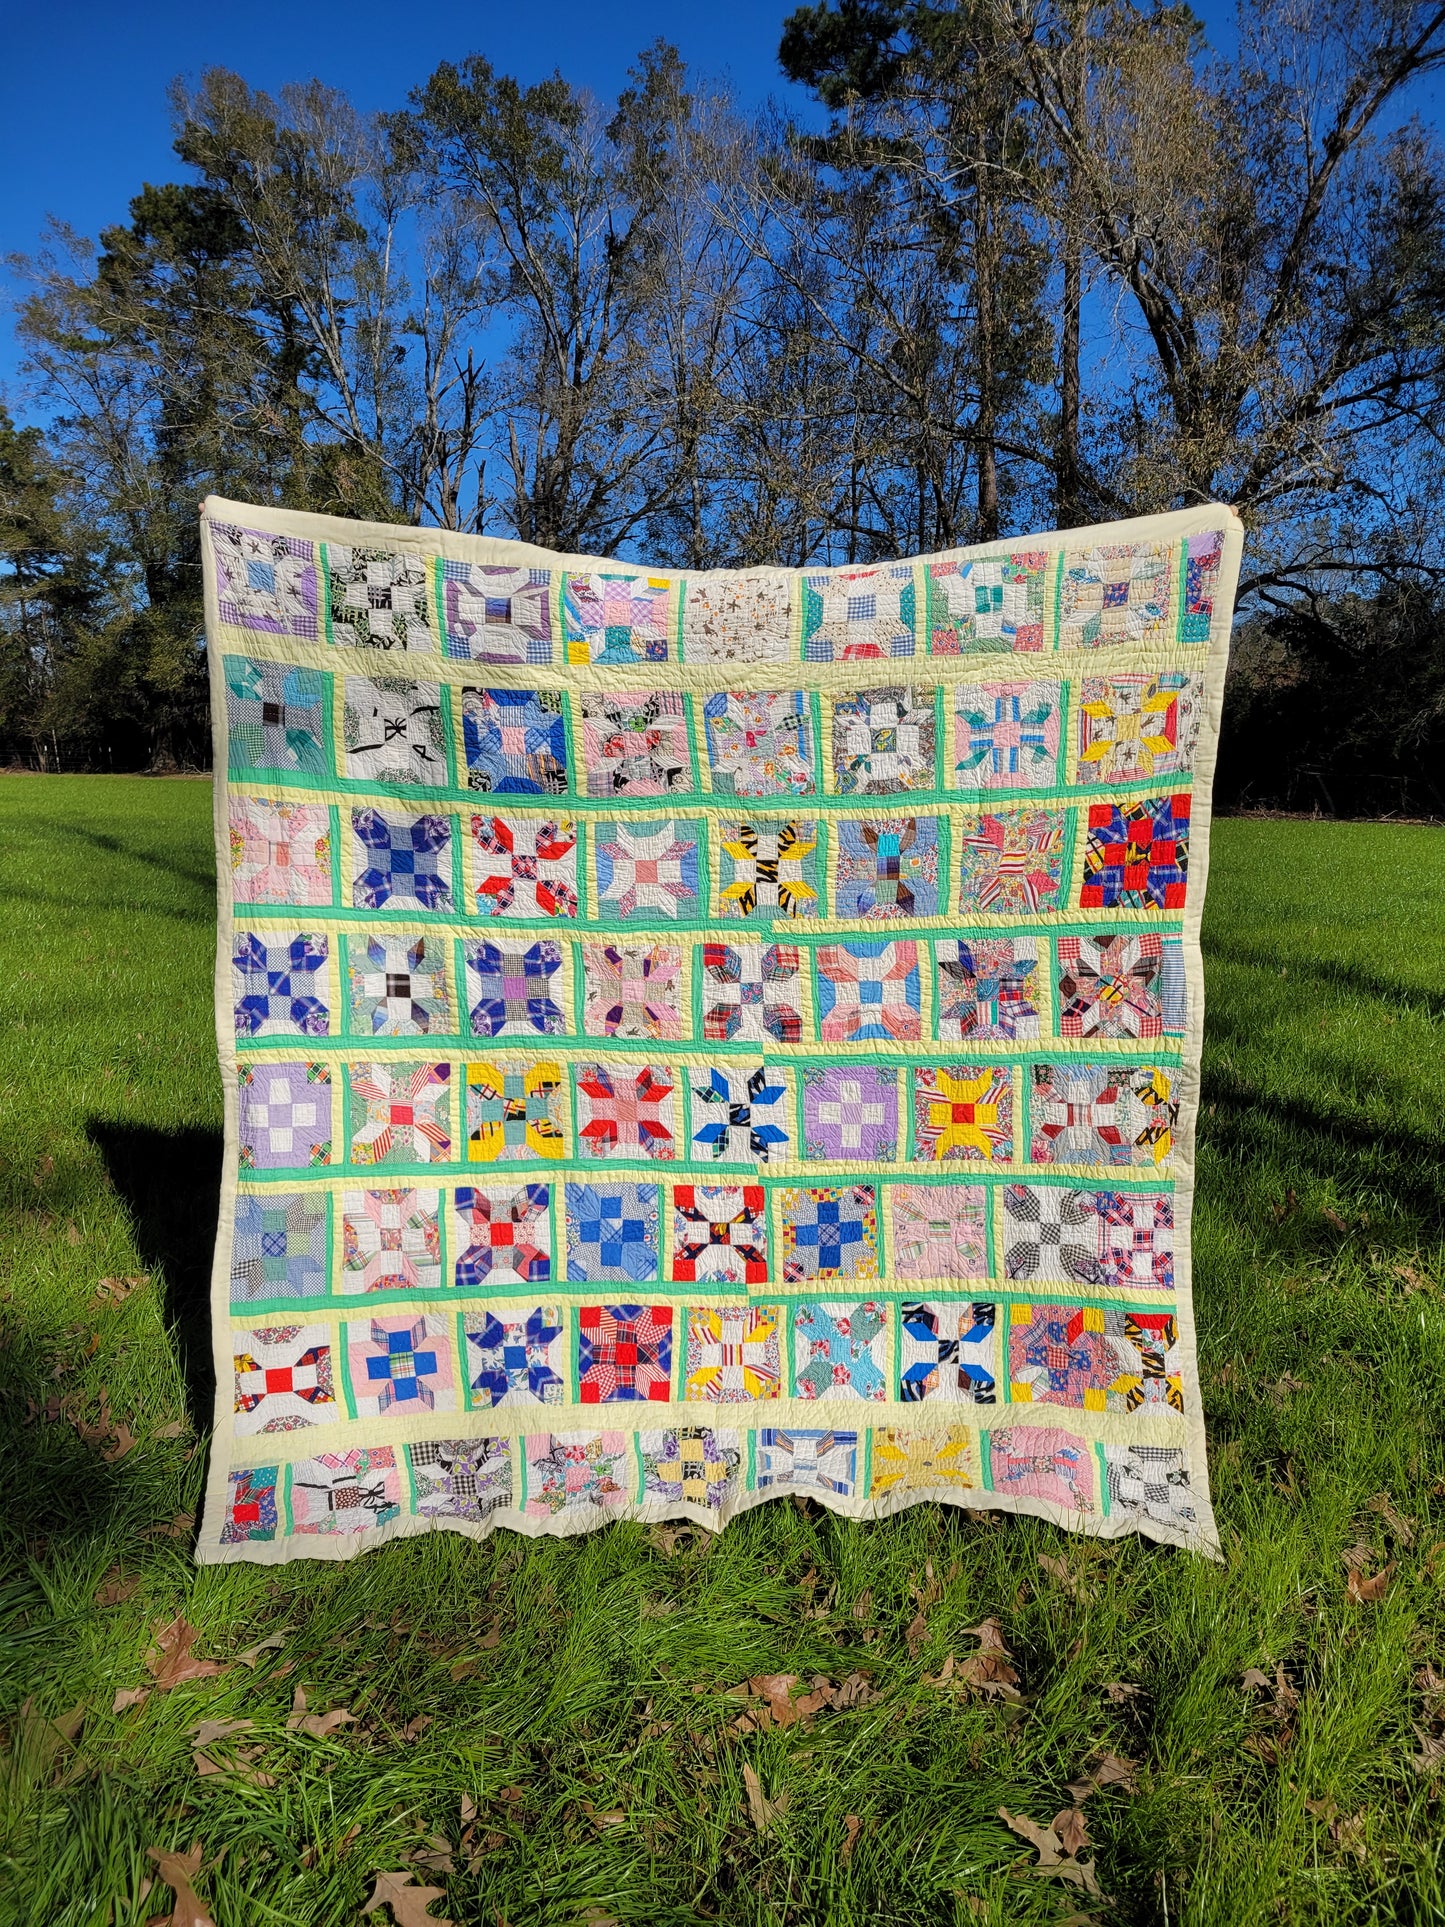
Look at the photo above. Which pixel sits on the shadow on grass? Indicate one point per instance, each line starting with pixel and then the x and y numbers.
pixel 170 1184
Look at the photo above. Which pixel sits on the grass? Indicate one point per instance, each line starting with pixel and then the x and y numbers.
pixel 575 1690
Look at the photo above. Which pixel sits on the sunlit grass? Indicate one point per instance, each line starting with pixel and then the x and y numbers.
pixel 575 1689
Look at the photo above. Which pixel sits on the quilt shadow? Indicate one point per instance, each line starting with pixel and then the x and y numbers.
pixel 170 1183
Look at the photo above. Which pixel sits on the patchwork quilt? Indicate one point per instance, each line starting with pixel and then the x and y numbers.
pixel 764 1004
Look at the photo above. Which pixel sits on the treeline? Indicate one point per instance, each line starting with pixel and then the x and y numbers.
pixel 1029 262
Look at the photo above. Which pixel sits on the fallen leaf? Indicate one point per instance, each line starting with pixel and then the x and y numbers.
pixel 1365 1591
pixel 1333 1217
pixel 115 1588
pixel 1067 1578
pixel 1118 1692
pixel 40 1737
pixel 1431 1685
pixel 1071 1829
pixel 435 1855
pixel 414 1727
pixel 851 1824
pixel 469 1809
pixel 408 1904
pixel 1107 1769
pixel 177 1429
pixel 115 1291
pixel 272 1643
pixel 178 1870
pixel 1255 1676
pixel 1402 1528
pixel 763 1810
pixel 1358 1555
pixel 945 1673
pixel 170 1662
pixel 1348 1834
pixel 319 1725
pixel 207 1730
pixel 988 1672
pixel 1053 1859
pixel 916 1635
pixel 1432 1751
pixel 130 1696
pixel 863 1605
pixel 180 1527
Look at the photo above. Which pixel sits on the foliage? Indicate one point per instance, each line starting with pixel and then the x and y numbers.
pixel 565 1730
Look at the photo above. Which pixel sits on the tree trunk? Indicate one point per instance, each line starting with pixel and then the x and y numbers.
pixel 984 298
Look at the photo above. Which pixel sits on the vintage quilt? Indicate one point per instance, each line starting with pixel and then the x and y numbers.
pixel 696 1037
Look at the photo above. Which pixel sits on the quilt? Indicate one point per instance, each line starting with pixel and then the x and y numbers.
pixel 695 1037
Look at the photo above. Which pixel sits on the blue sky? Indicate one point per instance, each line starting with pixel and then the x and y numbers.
pixel 84 119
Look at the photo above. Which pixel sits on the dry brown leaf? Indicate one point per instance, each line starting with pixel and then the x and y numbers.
pixel 115 1291
pixel 1072 1830
pixel 414 1727
pixel 1107 1769
pixel 1356 1556
pixel 1402 1528
pixel 129 1696
pixel 204 1731
pixel 490 1640
pixel 435 1855
pixel 1432 1751
pixel 181 1527
pixel 615 1817
pixel 1348 1834
pixel 863 1605
pixel 272 1643
pixel 1432 1685
pixel 1053 1860
pixel 408 1903
pixel 1366 1589
pixel 40 1737
pixel 1256 1676
pixel 178 1870
pixel 945 1673
pixel 318 1725
pixel 177 1429
pixel 116 1588
pixel 1333 1217
pixel 851 1824
pixel 916 1635
pixel 763 1810
pixel 988 1672
pixel 170 1662
pixel 1066 1576
pixel 856 1690
pixel 1119 1692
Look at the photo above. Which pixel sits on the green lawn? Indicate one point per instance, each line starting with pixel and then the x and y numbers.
pixel 573 1693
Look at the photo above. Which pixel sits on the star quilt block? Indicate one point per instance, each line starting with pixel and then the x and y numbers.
pixel 1116 592
pixel 515 1111
pixel 525 866
pixel 885 867
pixel 513 1355
pixel 633 990
pixel 496 613
pixel 1100 1360
pixel 869 989
pixel 398 985
pixel 634 743
pixel 400 1364
pixel 626 1111
pixel 1120 985
pixel 624 1354
pixel 280 984
pixel 993 605
pixel 1152 1482
pixel 807 1461
pixel 767 869
pixel 391 1240
pixel 284 1115
pixel 828 1232
pixel 884 741
pixel 280 852
pixel 612 1233
pixel 740 1114
pixel 502 1236
pixel 378 598
pixel 276 713
pixel 647 869
pixel 279 1250
pixel 401 1112
pixel 515 741
pixel 576 1476
pixel 943 1463
pixel 760 744
pixel 720 1234
pixel 733 1354
pixel 1135 728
